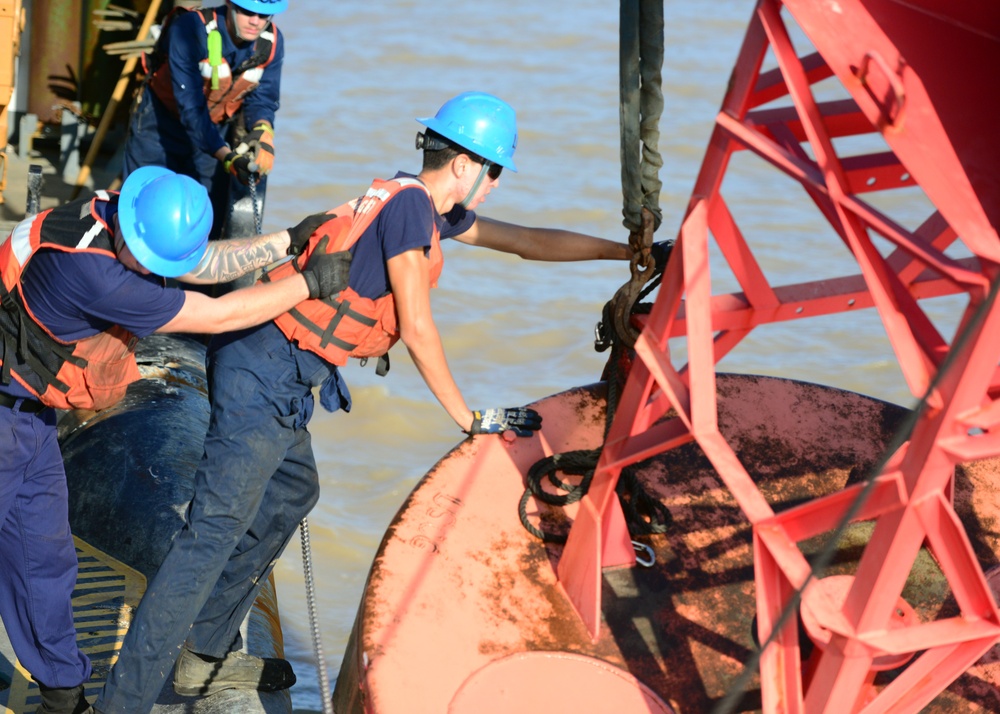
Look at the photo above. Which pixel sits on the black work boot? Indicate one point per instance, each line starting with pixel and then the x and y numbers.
pixel 199 675
pixel 62 700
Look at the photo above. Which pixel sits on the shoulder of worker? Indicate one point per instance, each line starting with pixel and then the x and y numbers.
pixel 413 201
pixel 190 22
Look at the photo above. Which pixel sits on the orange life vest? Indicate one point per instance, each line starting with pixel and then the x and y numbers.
pixel 234 85
pixel 92 373
pixel 348 325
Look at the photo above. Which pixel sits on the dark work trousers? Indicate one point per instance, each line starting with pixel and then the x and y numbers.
pixel 256 481
pixel 37 558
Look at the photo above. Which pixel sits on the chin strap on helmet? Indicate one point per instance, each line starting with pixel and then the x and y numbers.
pixel 484 169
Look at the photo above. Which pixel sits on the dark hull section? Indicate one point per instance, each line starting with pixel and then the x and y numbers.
pixel 130 468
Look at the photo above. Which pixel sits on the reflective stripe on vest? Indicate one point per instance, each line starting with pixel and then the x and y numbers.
pixel 92 373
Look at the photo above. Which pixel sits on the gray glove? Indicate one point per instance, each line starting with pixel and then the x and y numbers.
pixel 327 274
pixel 521 420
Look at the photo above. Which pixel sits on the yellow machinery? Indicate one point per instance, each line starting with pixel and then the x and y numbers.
pixel 11 25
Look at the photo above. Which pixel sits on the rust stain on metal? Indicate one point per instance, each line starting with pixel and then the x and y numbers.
pixel 684 626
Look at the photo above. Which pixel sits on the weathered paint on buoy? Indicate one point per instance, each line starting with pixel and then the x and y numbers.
pixel 459 587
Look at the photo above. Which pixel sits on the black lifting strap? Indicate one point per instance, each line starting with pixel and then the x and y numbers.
pixel 641 62
pixel 641 89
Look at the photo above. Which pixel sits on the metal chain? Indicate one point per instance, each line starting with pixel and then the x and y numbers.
pixel 252 184
pixel 307 569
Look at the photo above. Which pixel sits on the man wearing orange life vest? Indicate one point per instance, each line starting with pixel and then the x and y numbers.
pixel 80 284
pixel 210 66
pixel 257 479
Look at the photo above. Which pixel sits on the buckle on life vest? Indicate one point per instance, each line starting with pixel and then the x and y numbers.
pixel 381 366
pixel 8 301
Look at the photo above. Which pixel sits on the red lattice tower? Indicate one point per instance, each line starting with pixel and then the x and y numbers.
pixel 921 75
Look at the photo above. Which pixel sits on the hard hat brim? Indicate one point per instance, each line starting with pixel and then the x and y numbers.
pixel 264 7
pixel 438 126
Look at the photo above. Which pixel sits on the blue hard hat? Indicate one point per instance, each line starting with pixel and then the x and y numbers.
pixel 264 7
pixel 479 122
pixel 165 219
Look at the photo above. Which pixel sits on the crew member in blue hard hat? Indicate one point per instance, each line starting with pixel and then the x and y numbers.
pixel 213 81
pixel 257 479
pixel 80 283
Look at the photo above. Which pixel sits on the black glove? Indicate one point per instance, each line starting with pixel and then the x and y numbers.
pixel 238 165
pixel 327 274
pixel 521 420
pixel 307 226
pixel 660 252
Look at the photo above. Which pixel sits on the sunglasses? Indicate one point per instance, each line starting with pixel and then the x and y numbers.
pixel 493 170
pixel 250 13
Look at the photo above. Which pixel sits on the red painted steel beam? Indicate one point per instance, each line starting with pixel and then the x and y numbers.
pixel 918 95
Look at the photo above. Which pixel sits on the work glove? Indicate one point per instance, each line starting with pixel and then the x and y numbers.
pixel 327 274
pixel 238 164
pixel 260 146
pixel 660 253
pixel 521 420
pixel 301 233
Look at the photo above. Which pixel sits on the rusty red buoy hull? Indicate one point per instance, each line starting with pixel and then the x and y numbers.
pixel 463 611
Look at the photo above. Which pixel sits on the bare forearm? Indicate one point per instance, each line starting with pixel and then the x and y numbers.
pixel 410 285
pixel 561 245
pixel 239 309
pixel 551 244
pixel 226 260
pixel 429 359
